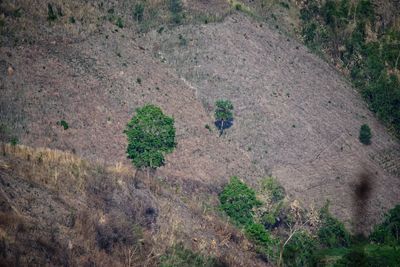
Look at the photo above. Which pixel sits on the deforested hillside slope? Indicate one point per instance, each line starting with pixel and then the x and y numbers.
pixel 57 209
pixel 296 116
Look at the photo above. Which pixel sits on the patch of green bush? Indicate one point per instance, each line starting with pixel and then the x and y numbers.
pixel 266 244
pixel 365 134
pixel 300 250
pixel 51 13
pixel 332 233
pixel 388 232
pixel 119 23
pixel 273 188
pixel 64 124
pixel 176 8
pixel 238 201
pixel 178 255
pixel 138 12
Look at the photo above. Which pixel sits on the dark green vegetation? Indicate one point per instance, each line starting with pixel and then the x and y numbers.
pixel 138 12
pixel 367 50
pixel 238 201
pixel 329 244
pixel 151 135
pixel 365 134
pixel 176 9
pixel 332 232
pixel 388 232
pixel 64 124
pixel 178 255
pixel 223 114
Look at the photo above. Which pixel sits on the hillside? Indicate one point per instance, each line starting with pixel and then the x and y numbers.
pixel 70 196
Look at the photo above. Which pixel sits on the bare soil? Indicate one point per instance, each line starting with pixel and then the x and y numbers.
pixel 296 116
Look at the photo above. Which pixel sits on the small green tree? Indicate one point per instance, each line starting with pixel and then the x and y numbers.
pixel 223 114
pixel 151 135
pixel 365 134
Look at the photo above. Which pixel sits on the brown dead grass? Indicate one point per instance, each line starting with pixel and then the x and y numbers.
pixel 94 214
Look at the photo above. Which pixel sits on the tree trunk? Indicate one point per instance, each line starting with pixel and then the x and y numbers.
pixel 221 130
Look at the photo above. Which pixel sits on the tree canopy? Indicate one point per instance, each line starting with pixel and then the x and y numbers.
pixel 151 135
pixel 223 114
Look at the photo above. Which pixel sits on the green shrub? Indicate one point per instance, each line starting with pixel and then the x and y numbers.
pixel 365 134
pixel 119 23
pixel 300 250
pixel 332 233
pixel 151 135
pixel 266 244
pixel 388 231
pixel 51 14
pixel 178 255
pixel 138 12
pixel 238 201
pixel 273 188
pixel 14 141
pixel 64 124
pixel 176 8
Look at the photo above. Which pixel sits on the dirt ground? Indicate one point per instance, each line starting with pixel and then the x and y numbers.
pixel 295 115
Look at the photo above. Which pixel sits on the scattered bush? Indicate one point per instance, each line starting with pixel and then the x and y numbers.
pixel 178 255
pixel 119 23
pixel 300 250
pixel 267 245
pixel 176 9
pixel 238 201
pixel 365 134
pixel 151 135
pixel 332 233
pixel 388 231
pixel 273 188
pixel 14 141
pixel 64 124
pixel 51 14
pixel 138 12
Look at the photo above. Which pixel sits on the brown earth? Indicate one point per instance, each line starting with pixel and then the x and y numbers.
pixel 295 115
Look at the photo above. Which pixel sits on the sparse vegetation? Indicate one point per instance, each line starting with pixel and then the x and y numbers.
pixel 365 134
pixel 342 29
pixel 119 23
pixel 300 250
pixel 51 13
pixel 138 12
pixel 388 232
pixel 176 9
pixel 273 188
pixel 332 233
pixel 178 255
pixel 151 135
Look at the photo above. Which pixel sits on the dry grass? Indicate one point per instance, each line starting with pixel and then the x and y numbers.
pixel 94 213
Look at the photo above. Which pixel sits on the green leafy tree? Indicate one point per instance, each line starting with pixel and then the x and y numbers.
pixel 151 135
pixel 365 134
pixel 223 114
